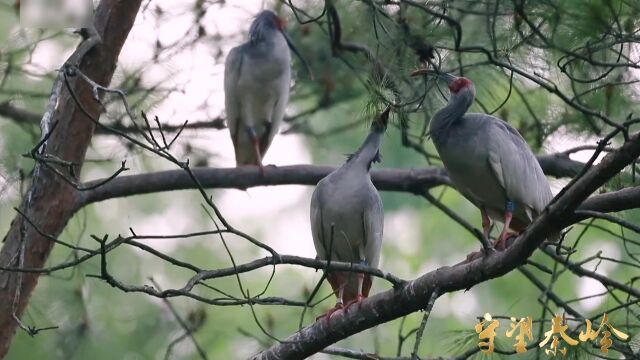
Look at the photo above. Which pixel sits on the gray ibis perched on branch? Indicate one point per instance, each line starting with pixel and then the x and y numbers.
pixel 257 77
pixel 488 161
pixel 347 219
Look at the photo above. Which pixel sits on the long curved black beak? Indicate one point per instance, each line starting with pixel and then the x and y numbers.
pixel 444 76
pixel 295 51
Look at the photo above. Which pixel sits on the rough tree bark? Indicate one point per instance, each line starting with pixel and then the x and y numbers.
pixel 385 179
pixel 50 201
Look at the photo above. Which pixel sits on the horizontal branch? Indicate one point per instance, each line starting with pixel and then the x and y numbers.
pixel 204 275
pixel 405 180
pixel 22 116
pixel 18 115
pixel 559 165
pixel 216 124
pixel 25 117
pixel 628 198
pixel 293 260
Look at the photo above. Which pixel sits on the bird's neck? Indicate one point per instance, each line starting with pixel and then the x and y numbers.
pixel 362 159
pixel 270 46
pixel 262 34
pixel 448 115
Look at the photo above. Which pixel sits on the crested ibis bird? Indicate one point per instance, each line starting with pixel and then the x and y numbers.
pixel 347 218
pixel 257 77
pixel 488 161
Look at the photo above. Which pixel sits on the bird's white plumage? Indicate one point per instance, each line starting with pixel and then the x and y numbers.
pixel 232 101
pixel 356 214
pixel 489 161
pixel 350 204
pixel 517 169
pixel 347 216
pixel 256 84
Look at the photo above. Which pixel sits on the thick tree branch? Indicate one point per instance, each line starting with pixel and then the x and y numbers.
pixel 395 303
pixel 66 135
pixel 559 165
pixel 628 198
pixel 246 177
pixel 407 180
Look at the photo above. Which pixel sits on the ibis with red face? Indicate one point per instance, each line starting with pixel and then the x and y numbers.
pixel 257 78
pixel 488 161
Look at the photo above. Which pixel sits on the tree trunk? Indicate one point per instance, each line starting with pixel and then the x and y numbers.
pixel 49 205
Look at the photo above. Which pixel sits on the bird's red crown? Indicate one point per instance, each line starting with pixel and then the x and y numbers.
pixel 280 23
pixel 459 84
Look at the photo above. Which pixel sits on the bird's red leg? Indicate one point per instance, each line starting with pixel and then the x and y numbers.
pixel 366 286
pixel 486 222
pixel 337 281
pixel 486 228
pixel 359 296
pixel 256 147
pixel 501 243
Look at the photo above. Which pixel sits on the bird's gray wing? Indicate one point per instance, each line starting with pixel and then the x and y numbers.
pixel 337 247
pixel 316 224
pixel 373 223
pixel 232 97
pixel 279 107
pixel 516 167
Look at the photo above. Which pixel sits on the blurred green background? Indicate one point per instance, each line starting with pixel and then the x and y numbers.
pixel 172 67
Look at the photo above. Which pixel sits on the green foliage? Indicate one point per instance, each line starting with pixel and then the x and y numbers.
pixel 98 322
